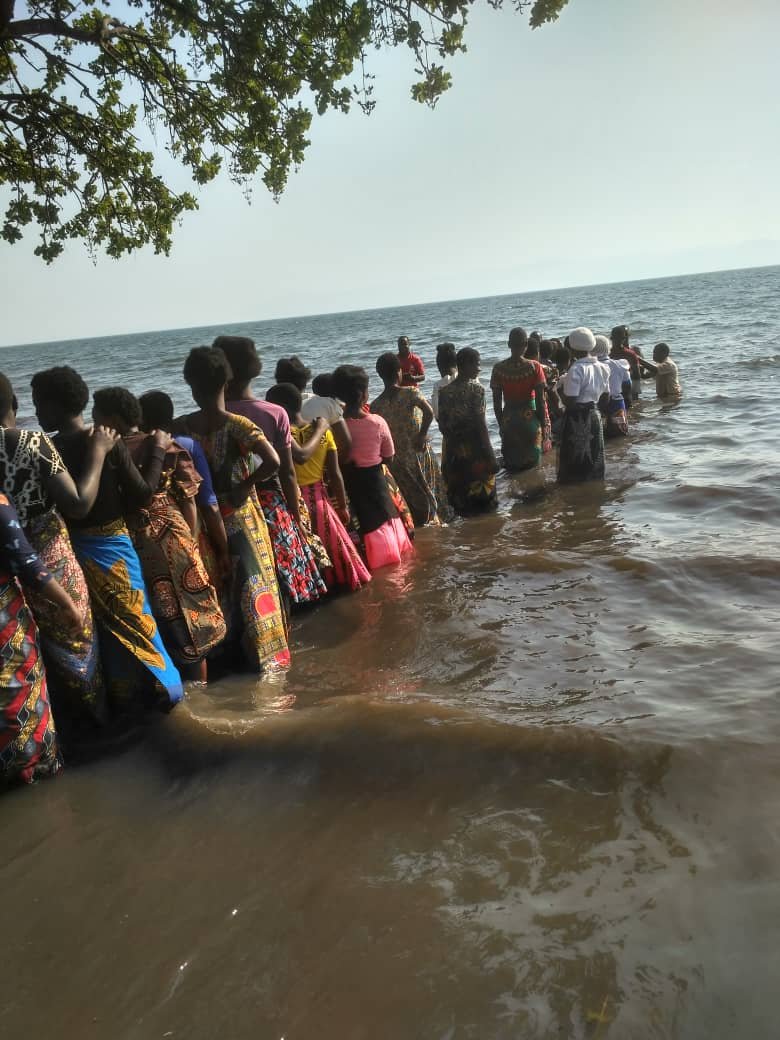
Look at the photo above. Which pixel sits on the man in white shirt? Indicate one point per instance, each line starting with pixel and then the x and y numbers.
pixel 581 454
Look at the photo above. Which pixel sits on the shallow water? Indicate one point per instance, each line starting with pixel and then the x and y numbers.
pixel 524 787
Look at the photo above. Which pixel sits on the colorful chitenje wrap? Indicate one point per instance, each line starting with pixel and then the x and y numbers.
pixel 28 741
pixel 184 602
pixel 252 606
pixel 616 424
pixel 135 662
pixel 73 668
pixel 465 466
pixel 416 472
pixel 398 500
pixel 251 602
pixel 524 418
pixel 296 568
pixel 581 452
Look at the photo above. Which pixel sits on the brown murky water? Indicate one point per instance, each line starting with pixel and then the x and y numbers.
pixel 526 787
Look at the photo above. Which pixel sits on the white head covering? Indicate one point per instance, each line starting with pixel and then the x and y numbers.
pixel 582 340
pixel 602 347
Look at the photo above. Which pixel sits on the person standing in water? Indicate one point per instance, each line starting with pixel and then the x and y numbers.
pixel 256 622
pixel 581 452
pixel 519 388
pixel 28 740
pixel 412 367
pixel 383 532
pixel 414 465
pixel 621 349
pixel 136 665
pixel 614 404
pixel 448 369
pixel 164 532
pixel 667 378
pixel 299 578
pixel 468 462
pixel 35 479
pixel 320 479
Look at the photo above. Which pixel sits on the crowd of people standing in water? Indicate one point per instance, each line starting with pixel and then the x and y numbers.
pixel 142 551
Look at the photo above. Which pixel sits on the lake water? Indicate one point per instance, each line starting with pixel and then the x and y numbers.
pixel 527 786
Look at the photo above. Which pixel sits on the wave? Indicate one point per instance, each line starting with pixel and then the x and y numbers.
pixel 760 362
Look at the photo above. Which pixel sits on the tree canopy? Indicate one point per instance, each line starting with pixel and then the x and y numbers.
pixel 231 83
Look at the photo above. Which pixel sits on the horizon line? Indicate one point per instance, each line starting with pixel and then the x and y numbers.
pixel 387 307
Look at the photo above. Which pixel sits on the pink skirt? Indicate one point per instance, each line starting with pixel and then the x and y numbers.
pixel 348 568
pixel 387 544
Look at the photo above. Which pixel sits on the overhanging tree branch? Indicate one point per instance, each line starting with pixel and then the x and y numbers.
pixel 225 79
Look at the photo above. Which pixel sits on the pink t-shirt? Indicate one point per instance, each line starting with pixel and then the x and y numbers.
pixel 271 418
pixel 371 440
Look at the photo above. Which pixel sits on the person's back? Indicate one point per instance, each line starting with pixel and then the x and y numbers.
pixel 271 419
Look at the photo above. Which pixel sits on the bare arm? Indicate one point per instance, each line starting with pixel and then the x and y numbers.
pixel 269 466
pixel 289 482
pixel 487 447
pixel 498 404
pixel 336 485
pixel 427 419
pixel 190 513
pixel 303 452
pixel 215 529
pixel 342 437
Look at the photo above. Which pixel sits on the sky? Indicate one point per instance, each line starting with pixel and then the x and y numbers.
pixel 627 140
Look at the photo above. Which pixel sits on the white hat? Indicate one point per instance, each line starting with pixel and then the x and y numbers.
pixel 582 340
pixel 602 347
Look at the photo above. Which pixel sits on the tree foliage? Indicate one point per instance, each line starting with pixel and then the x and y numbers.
pixel 229 83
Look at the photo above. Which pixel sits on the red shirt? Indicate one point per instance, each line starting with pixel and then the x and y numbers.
pixel 411 365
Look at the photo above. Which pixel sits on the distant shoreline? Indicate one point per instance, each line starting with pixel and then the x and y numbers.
pixel 236 325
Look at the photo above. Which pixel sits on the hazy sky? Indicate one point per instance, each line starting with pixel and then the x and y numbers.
pixel 629 140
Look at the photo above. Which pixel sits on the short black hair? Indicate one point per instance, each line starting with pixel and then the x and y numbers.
pixel 518 337
pixel 662 348
pixel 322 385
pixel 242 356
pixel 532 348
pixel 207 369
pixel 562 356
pixel 545 349
pixel 292 370
pixel 62 385
pixel 8 402
pixel 116 400
pixel 287 396
pixel 467 356
pixel 157 409
pixel 350 383
pixel 403 340
pixel 388 366
pixel 619 335
pixel 446 354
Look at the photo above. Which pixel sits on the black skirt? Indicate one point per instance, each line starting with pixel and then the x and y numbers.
pixel 581 452
pixel 369 496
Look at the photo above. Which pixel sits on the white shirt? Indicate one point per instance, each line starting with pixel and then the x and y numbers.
pixel 586 380
pixel 321 407
pixel 444 381
pixel 619 373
